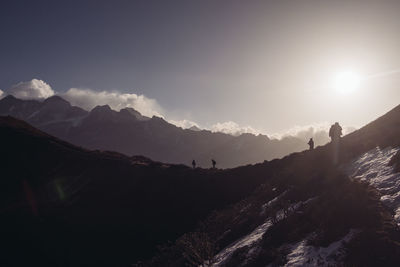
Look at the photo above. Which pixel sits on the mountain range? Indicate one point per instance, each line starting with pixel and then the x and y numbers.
pixel 128 132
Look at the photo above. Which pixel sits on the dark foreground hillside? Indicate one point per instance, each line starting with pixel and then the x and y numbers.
pixel 61 205
pixel 297 202
pixel 65 206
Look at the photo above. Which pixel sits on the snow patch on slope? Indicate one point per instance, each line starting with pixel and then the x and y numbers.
pixel 244 241
pixel 304 255
pixel 252 238
pixel 373 167
pixel 271 202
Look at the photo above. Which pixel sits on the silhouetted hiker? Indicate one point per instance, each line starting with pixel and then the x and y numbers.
pixel 194 164
pixel 311 144
pixel 213 163
pixel 334 133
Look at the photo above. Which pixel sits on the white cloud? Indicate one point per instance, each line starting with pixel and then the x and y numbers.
pixel 34 89
pixel 230 127
pixel 88 99
pixel 318 131
pixel 306 131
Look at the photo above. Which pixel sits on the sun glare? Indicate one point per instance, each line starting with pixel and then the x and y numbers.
pixel 347 82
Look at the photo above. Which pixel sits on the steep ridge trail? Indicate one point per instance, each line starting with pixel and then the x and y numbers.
pixel 338 220
pixel 347 224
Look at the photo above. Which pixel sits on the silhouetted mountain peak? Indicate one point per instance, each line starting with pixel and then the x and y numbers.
pixel 56 100
pixel 9 98
pixel 250 136
pixel 55 104
pixel 15 107
pixel 102 115
pixel 159 119
pixel 263 136
pixel 101 109
pixel 133 112
pixel 194 128
pixel 244 135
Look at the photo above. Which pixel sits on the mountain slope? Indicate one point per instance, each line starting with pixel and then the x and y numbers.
pixel 66 206
pixel 310 211
pixel 128 132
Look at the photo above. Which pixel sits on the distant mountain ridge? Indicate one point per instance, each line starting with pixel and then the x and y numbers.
pixel 129 132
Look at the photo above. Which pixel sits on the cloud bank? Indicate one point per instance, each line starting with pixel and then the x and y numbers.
pixel 230 127
pixel 88 99
pixel 34 89
pixel 318 131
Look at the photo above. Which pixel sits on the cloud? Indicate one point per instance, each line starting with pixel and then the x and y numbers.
pixel 88 99
pixel 230 127
pixel 318 131
pixel 34 89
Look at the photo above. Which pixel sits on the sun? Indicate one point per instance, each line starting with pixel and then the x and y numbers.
pixel 346 82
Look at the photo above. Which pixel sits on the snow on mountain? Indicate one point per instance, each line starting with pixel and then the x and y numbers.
pixel 271 202
pixel 247 240
pixel 305 255
pixel 256 235
pixel 373 167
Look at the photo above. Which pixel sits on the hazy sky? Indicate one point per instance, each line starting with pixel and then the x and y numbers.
pixel 265 64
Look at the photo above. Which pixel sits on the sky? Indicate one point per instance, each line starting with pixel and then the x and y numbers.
pixel 263 66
